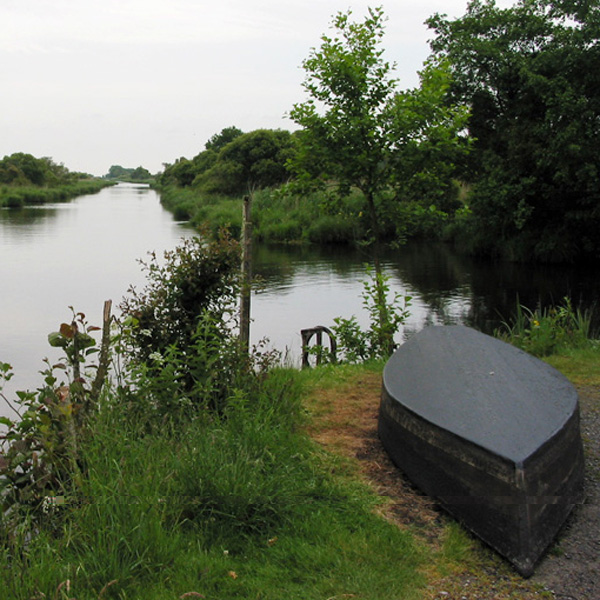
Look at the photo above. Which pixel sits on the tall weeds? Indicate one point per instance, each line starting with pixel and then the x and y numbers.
pixel 549 330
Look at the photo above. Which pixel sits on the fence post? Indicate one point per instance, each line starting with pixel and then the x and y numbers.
pixel 246 287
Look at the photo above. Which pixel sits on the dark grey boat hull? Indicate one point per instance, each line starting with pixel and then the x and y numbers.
pixel 514 504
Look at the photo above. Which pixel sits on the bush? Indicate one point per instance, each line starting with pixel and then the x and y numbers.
pixel 386 315
pixel 329 229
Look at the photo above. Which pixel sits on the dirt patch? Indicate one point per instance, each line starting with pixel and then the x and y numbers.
pixel 346 423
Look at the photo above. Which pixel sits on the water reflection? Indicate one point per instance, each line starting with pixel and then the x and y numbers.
pixel 86 251
pixel 75 254
pixel 308 287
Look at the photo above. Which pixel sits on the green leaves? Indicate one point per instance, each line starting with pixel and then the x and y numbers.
pixel 528 74
pixel 387 312
pixel 360 132
pixel 348 77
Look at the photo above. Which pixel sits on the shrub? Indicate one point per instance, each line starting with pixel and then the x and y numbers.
pixel 542 332
pixel 386 315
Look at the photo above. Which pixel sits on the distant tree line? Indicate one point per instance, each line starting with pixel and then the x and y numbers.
pixel 25 179
pixel 21 169
pixel 137 175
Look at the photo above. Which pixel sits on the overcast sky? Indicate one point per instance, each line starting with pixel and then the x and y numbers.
pixel 92 83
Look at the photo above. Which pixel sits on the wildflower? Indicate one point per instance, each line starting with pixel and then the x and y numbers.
pixel 157 357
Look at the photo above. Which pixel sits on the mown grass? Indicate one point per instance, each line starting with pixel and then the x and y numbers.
pixel 580 365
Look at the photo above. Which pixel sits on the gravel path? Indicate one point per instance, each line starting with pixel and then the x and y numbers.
pixel 572 569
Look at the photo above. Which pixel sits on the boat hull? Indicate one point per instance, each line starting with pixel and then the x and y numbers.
pixel 514 505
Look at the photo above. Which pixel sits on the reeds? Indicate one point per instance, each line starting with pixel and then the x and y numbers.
pixel 548 330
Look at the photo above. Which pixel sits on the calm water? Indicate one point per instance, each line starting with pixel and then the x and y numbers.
pixel 78 254
pixel 86 251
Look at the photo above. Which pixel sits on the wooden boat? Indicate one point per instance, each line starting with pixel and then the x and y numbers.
pixel 489 431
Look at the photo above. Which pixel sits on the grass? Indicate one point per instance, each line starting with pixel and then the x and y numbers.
pixel 547 331
pixel 18 196
pixel 580 365
pixel 239 506
pixel 266 501
pixel 276 217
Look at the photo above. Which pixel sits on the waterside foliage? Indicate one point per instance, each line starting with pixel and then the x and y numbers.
pixel 25 179
pixel 529 183
pixel 284 215
pixel 16 197
pixel 189 473
pixel 550 330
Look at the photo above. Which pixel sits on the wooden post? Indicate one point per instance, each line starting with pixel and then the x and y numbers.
pixel 246 275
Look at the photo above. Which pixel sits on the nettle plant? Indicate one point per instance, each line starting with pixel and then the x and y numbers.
pixel 40 465
pixel 387 313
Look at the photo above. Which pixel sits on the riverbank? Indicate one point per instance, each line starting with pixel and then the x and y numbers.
pixel 13 196
pixel 345 407
pixel 290 495
pixel 279 216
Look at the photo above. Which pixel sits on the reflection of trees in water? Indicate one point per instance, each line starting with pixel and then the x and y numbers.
pixel 483 293
pixel 21 217
pixel 453 288
pixel 280 265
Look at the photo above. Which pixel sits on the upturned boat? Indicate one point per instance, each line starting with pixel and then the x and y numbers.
pixel 489 431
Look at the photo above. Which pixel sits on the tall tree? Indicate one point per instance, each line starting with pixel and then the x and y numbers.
pixel 530 75
pixel 358 131
pixel 347 120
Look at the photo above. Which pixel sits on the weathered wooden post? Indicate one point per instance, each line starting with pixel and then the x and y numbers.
pixel 246 275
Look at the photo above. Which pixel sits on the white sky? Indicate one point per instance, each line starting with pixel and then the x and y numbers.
pixel 92 83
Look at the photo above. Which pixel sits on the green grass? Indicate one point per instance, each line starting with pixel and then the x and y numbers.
pixel 547 331
pixel 276 217
pixel 18 196
pixel 580 365
pixel 239 506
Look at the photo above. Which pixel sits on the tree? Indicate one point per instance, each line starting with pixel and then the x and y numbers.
pixel 529 74
pixel 350 143
pixel 220 140
pixel 251 160
pixel 25 169
pixel 140 174
pixel 357 131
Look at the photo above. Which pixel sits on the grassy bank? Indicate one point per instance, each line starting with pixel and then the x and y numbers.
pixel 17 196
pixel 279 216
pixel 202 470
pixel 263 502
pixel 239 506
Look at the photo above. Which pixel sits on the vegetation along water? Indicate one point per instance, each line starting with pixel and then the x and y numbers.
pixel 157 459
